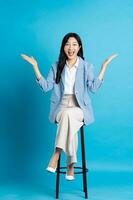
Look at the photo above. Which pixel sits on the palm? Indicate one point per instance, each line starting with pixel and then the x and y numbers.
pixel 31 60
pixel 109 59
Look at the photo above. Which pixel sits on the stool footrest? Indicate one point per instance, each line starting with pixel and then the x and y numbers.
pixel 78 172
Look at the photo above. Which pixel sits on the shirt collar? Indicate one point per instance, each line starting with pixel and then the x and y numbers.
pixel 76 63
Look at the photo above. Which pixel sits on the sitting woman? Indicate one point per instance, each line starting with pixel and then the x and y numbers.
pixel 70 79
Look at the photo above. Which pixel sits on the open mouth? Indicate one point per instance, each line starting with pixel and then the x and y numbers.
pixel 70 53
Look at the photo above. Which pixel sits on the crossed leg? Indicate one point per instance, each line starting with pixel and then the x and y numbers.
pixel 55 157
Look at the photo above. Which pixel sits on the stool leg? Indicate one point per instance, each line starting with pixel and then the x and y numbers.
pixel 83 163
pixel 58 178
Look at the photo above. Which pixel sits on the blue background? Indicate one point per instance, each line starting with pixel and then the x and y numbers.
pixel 36 28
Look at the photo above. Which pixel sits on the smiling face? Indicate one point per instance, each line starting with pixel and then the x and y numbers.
pixel 71 48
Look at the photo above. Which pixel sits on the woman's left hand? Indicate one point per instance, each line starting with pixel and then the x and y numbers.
pixel 104 65
pixel 109 59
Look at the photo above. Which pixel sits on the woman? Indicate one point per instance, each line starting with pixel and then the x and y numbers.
pixel 70 79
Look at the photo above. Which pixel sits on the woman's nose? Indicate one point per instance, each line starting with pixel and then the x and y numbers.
pixel 70 47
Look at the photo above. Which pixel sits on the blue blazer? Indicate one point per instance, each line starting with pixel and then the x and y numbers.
pixel 85 82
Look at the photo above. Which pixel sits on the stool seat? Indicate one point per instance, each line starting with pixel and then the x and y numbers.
pixel 81 169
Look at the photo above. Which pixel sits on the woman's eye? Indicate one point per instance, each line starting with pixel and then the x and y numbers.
pixel 74 45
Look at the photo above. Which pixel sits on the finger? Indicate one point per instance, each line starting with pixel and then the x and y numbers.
pixel 23 56
pixel 112 58
pixel 114 55
pixel 32 57
pixel 109 60
pixel 26 57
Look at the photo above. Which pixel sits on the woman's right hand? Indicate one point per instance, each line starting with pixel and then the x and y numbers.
pixel 31 60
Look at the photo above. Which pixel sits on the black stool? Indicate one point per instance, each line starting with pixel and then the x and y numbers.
pixel 83 170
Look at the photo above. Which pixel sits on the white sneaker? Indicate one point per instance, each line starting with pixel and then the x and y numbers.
pixel 51 169
pixel 69 177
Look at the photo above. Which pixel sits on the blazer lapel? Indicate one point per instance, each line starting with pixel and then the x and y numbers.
pixel 63 76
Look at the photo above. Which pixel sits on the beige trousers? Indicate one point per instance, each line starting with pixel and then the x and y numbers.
pixel 69 120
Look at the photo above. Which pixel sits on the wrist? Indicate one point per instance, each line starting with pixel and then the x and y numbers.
pixel 104 65
pixel 38 77
pixel 35 66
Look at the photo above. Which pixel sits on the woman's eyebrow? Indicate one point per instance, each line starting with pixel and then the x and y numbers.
pixel 72 42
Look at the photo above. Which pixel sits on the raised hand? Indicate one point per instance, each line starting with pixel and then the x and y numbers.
pixel 104 65
pixel 109 59
pixel 31 60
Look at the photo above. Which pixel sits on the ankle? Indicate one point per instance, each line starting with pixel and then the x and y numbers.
pixel 57 150
pixel 71 166
pixel 70 171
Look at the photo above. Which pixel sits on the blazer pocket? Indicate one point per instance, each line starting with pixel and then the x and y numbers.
pixel 87 102
pixel 53 100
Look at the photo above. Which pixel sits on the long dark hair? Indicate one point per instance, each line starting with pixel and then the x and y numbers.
pixel 62 55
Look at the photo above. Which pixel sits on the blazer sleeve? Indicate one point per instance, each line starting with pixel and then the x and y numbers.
pixel 93 83
pixel 47 84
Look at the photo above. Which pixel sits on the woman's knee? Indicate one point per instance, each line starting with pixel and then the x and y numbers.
pixel 66 114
